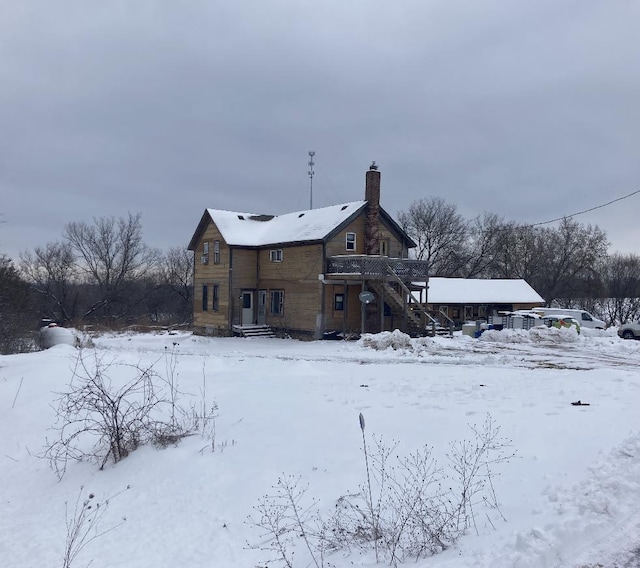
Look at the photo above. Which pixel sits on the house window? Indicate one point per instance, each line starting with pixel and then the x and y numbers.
pixel 468 313
pixel 275 255
pixel 277 302
pixel 215 300
pixel 205 298
pixel 216 252
pixel 204 259
pixel 338 303
pixel 351 241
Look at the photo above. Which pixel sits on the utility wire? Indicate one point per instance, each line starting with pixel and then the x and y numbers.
pixel 586 210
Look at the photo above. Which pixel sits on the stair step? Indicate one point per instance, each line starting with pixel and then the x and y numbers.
pixel 253 331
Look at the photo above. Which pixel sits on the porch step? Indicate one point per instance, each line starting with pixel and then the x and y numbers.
pixel 253 331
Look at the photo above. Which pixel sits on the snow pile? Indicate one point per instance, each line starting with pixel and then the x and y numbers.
pixel 601 509
pixel 53 335
pixel 395 340
pixel 535 334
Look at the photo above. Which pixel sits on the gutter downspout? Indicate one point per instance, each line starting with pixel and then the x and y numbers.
pixel 230 308
pixel 320 316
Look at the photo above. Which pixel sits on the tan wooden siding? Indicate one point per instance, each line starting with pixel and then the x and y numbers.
pixel 395 245
pixel 245 269
pixel 301 305
pixel 337 245
pixel 244 277
pixel 210 274
pixel 349 320
pixel 300 263
pixel 297 276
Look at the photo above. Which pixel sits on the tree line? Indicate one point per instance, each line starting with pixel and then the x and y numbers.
pixel 98 273
pixel 568 264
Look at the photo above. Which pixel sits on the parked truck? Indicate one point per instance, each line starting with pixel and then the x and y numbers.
pixel 584 318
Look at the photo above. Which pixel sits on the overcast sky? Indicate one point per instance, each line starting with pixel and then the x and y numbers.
pixel 529 109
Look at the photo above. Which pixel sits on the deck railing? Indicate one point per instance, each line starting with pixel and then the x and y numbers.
pixel 378 267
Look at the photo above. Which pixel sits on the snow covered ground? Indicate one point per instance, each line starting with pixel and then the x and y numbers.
pixel 570 497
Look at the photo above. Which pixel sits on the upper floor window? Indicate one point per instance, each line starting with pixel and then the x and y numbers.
pixel 275 255
pixel 216 252
pixel 204 259
pixel 351 241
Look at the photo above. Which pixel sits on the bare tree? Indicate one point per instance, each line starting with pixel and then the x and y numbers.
pixel 15 310
pixel 112 254
pixel 440 233
pixel 51 270
pixel 484 245
pixel 622 282
pixel 520 252
pixel 572 251
pixel 177 274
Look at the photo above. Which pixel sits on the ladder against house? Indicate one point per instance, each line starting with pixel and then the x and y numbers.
pixel 253 331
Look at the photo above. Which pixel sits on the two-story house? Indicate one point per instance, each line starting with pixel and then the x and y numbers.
pixel 332 269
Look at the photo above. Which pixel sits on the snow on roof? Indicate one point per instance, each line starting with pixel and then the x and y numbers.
pixel 480 291
pixel 250 229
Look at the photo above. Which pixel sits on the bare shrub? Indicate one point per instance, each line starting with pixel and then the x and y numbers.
pixel 97 421
pixel 407 507
pixel 84 524
pixel 285 520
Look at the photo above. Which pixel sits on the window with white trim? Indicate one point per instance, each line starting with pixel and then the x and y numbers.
pixel 350 241
pixel 276 255
pixel 216 252
pixel 204 259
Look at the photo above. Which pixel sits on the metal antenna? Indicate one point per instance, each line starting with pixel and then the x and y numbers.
pixel 311 172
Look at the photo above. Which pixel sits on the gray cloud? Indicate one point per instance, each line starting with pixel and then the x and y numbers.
pixel 528 109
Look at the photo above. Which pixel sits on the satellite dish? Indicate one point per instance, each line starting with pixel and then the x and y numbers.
pixel 366 297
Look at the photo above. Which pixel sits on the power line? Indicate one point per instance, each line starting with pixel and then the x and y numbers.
pixel 586 210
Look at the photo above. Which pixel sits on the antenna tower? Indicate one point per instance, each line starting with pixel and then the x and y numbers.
pixel 311 172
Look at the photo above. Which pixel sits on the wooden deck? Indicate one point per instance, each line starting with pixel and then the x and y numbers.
pixel 368 267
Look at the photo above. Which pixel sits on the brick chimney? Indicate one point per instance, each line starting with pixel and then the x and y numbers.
pixel 372 217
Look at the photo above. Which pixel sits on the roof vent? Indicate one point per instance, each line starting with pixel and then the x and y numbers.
pixel 301 215
pixel 344 207
pixel 261 217
pixel 241 217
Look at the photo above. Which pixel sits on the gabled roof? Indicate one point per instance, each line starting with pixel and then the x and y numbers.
pixel 313 225
pixel 246 229
pixel 481 291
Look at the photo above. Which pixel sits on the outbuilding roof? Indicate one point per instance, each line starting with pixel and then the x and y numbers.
pixel 480 291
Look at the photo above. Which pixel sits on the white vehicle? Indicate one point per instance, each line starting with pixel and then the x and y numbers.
pixel 585 319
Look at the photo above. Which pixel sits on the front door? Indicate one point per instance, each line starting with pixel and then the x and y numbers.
pixel 262 307
pixel 247 308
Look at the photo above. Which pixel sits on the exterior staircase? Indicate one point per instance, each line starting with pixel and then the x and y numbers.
pixel 418 320
pixel 253 331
